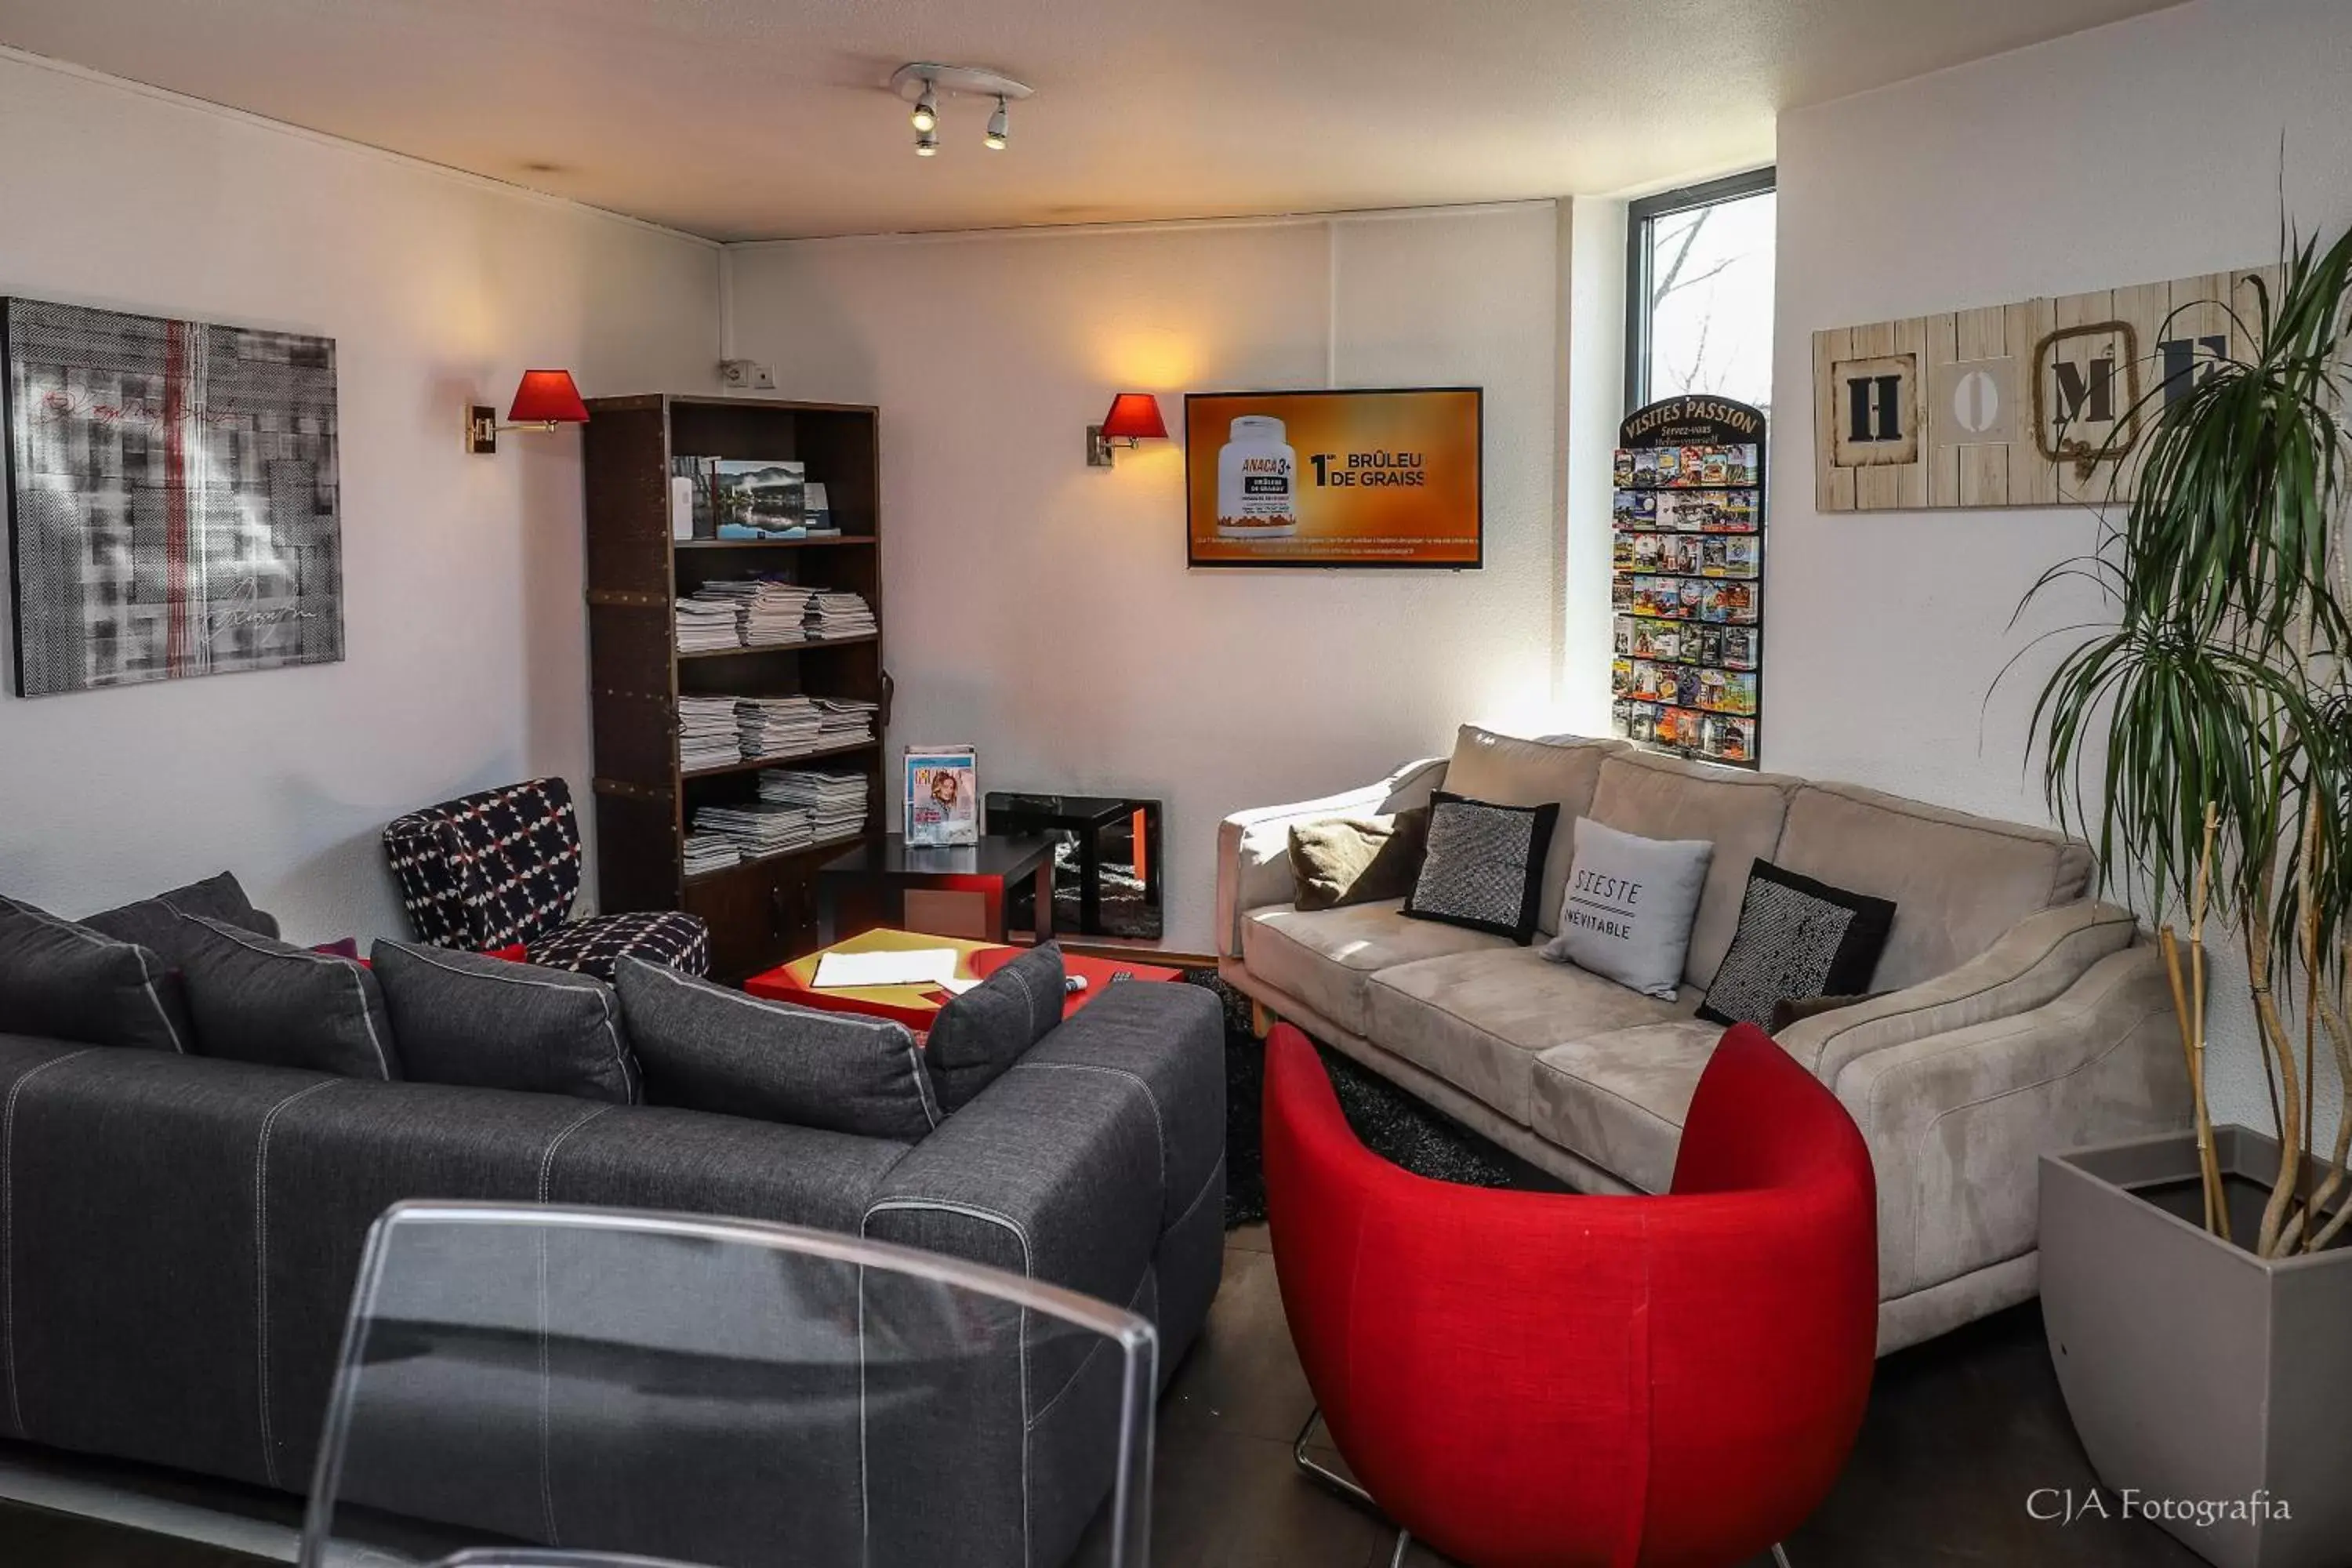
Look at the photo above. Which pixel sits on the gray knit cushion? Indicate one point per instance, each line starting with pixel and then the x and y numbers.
pixel 254 999
pixel 479 1022
pixel 704 1047
pixel 988 1028
pixel 1483 866
pixel 61 980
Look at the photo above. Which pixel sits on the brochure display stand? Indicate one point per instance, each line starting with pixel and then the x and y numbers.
pixel 1686 587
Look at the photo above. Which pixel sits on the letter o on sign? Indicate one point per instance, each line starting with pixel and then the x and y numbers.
pixel 1975 402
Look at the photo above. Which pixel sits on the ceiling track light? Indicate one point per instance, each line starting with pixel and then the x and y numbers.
pixel 921 83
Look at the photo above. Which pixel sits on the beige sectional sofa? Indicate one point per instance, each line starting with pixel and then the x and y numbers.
pixel 2019 1014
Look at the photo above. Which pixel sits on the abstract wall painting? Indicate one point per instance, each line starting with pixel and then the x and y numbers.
pixel 171 498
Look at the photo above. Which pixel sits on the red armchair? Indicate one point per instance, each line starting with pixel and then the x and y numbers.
pixel 1538 1379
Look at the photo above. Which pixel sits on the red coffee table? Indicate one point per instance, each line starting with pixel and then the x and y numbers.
pixel 916 1006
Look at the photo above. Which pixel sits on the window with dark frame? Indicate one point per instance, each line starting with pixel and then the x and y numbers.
pixel 1698 292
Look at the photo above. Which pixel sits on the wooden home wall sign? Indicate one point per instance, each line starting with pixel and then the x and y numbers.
pixel 2042 402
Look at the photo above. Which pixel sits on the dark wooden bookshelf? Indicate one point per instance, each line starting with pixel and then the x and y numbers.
pixel 760 912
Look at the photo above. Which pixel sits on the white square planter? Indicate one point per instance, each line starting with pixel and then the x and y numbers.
pixel 2212 1390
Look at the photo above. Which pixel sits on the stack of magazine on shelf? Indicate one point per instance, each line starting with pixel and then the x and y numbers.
pixel 837 801
pixel 760 826
pixel 845 720
pixel 707 732
pixel 775 613
pixel 705 625
pixel 777 726
pixel 710 852
pixel 834 614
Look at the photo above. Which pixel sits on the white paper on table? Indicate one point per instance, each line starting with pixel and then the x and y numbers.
pixel 955 987
pixel 918 966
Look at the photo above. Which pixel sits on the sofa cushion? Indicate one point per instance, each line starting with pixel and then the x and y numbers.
pixel 1357 859
pixel 1630 904
pixel 1484 865
pixel 1618 1099
pixel 1957 881
pixel 1478 1020
pixel 991 1026
pixel 1739 812
pixel 155 922
pixel 706 1048
pixel 1324 957
pixel 1799 937
pixel 258 1000
pixel 475 1021
pixel 1561 770
pixel 63 980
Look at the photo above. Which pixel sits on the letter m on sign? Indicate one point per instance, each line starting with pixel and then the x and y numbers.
pixel 1876 409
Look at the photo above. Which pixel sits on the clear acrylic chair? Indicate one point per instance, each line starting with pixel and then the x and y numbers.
pixel 537 1387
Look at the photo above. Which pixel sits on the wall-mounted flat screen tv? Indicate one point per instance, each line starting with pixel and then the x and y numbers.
pixel 1384 478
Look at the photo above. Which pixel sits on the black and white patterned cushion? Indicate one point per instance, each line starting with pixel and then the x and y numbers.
pixel 595 945
pixel 1798 938
pixel 1484 865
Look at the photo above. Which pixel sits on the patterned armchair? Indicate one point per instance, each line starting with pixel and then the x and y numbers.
pixel 501 867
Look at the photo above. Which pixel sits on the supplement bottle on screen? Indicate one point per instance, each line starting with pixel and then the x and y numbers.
pixel 1257 481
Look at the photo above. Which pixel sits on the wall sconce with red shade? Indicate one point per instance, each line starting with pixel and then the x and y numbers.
pixel 542 400
pixel 1134 419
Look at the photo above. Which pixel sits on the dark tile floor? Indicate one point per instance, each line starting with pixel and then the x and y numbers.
pixel 1959 1431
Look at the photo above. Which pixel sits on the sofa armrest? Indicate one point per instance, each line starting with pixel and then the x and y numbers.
pixel 1957 1120
pixel 1052 1176
pixel 1057 1171
pixel 1253 845
pixel 2033 963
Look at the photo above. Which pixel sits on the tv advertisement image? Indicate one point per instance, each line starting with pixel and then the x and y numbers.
pixel 1334 479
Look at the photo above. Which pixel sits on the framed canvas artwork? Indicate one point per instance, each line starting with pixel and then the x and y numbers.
pixel 171 498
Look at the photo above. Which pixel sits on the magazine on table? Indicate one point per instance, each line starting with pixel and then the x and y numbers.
pixel 943 795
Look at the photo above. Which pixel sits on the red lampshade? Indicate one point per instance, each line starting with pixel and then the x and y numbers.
pixel 547 397
pixel 1133 417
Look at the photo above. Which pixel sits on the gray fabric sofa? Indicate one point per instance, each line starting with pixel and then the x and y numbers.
pixel 179 1238
pixel 2019 1015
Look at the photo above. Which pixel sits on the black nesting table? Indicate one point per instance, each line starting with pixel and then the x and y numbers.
pixel 1084 816
pixel 870 883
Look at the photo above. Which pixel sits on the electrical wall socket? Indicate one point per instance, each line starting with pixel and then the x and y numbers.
pixel 746 376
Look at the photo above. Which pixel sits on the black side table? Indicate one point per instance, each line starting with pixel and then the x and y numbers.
pixel 1086 817
pixel 870 883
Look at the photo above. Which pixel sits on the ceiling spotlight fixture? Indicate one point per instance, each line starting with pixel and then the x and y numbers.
pixel 922 82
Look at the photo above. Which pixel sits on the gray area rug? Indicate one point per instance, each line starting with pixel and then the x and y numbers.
pixel 1393 1123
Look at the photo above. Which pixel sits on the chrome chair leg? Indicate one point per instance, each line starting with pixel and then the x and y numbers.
pixel 1780 1556
pixel 1324 1473
pixel 1347 1488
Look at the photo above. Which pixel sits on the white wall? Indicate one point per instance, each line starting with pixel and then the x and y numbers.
pixel 1041 610
pixel 463 619
pixel 2132 153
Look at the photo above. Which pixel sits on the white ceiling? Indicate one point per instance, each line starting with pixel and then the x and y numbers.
pixel 745 118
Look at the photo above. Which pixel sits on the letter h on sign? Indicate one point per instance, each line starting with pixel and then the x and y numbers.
pixel 1876 411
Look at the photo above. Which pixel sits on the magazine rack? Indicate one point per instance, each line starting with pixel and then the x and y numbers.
pixel 1686 589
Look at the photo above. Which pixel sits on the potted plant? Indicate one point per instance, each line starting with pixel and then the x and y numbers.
pixel 2196 1288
